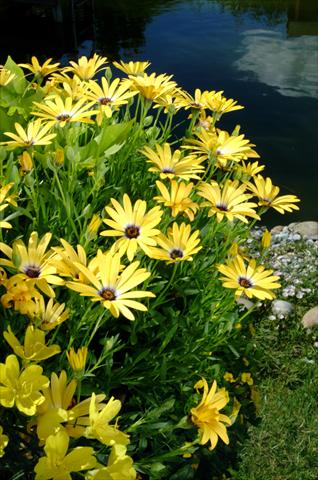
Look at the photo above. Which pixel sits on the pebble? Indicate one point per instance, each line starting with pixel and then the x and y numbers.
pixel 306 229
pixel 310 319
pixel 281 307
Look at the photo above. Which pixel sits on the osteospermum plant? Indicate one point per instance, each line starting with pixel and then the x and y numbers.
pixel 122 258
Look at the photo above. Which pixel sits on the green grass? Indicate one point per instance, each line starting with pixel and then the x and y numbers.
pixel 284 445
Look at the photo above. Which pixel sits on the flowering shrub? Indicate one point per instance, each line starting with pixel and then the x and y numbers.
pixel 114 236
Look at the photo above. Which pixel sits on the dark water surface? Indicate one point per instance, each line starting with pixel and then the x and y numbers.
pixel 262 53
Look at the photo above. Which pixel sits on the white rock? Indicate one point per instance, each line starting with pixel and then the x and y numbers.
pixel 277 229
pixel 245 302
pixel 281 307
pixel 306 229
pixel 310 319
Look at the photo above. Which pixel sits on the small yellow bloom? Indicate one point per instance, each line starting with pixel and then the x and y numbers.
pixel 93 227
pixel 178 246
pixel 228 377
pixel 229 201
pixel 5 76
pixel 178 199
pixel 58 464
pixel 172 164
pixel 152 86
pixel 266 239
pixel 59 157
pixel 50 315
pixel 35 134
pixel 133 225
pixel 267 194
pixel 119 466
pixel 77 360
pixel 21 388
pixel 111 288
pixel 132 68
pixel 26 163
pixel 4 440
pixel 247 378
pixel 251 280
pixel 32 263
pixel 99 427
pixel 22 295
pixel 40 70
pixel 87 68
pixel 206 415
pixel 34 348
pixel 5 200
pixel 56 111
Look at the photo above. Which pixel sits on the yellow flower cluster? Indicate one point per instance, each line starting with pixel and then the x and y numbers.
pixel 208 174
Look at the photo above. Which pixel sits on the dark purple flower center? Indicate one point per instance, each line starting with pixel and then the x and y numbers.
pixel 244 282
pixel 108 294
pixel 222 207
pixel 63 117
pixel 32 271
pixel 176 253
pixel 132 231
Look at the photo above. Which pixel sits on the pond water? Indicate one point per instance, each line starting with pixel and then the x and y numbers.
pixel 262 53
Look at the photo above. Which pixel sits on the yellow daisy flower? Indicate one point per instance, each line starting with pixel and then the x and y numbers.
pixel 168 101
pixel 267 195
pixel 22 295
pixel 152 86
pixel 67 257
pixel 86 68
pixel 21 388
pixel 34 134
pixel 4 440
pixel 99 427
pixel 34 348
pixel 171 164
pixel 57 111
pixel 60 411
pixel 266 240
pixel 74 88
pixel 113 288
pixel 132 68
pixel 58 464
pixel 93 227
pixel 219 104
pixel 32 261
pixel 5 200
pixel 50 315
pixel 6 76
pixel 109 96
pixel 229 201
pixel 198 102
pixel 133 225
pixel 119 466
pixel 77 360
pixel 26 163
pixel 244 171
pixel 41 70
pixel 250 280
pixel 207 417
pixel 220 146
pixel 178 199
pixel 178 246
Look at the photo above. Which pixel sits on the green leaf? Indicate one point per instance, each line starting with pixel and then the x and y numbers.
pixel 19 83
pixel 168 337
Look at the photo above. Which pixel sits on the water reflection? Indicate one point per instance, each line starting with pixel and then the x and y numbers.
pixel 280 62
pixel 261 52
